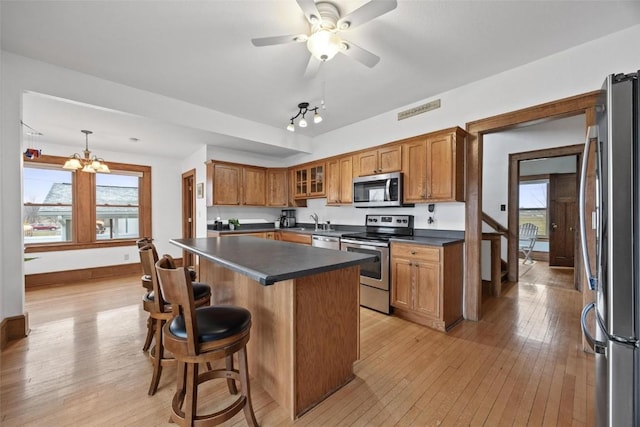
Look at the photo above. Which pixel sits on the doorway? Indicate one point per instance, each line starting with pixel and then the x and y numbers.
pixel 580 104
pixel 188 212
pixel 543 191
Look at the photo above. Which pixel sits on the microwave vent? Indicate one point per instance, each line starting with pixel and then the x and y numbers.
pixel 419 109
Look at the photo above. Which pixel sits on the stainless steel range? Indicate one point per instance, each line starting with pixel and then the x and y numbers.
pixel 375 278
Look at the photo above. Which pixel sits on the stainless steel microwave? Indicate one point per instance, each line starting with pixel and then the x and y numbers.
pixel 378 191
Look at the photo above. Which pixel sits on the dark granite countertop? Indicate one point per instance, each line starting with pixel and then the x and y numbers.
pixel 269 261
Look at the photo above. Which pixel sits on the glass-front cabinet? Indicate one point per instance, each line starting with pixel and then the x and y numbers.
pixel 309 181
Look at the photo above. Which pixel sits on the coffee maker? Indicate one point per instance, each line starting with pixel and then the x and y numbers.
pixel 288 218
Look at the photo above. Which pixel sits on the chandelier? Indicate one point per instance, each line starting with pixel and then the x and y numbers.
pixel 303 108
pixel 86 163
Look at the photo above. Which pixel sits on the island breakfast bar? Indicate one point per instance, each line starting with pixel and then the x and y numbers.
pixel 304 303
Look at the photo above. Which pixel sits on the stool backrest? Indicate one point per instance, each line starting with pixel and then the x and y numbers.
pixel 144 241
pixel 175 283
pixel 148 259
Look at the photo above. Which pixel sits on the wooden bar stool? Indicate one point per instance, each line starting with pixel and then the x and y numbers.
pixel 202 335
pixel 160 312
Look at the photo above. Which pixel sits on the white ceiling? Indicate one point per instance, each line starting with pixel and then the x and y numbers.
pixel 200 52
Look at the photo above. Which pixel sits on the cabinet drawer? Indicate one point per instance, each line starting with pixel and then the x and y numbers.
pixel 425 253
pixel 295 237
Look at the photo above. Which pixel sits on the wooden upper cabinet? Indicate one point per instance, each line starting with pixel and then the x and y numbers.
pixel 254 186
pixel 226 183
pixel 231 184
pixel 434 167
pixel 340 181
pixel 309 181
pixel 277 188
pixel 381 160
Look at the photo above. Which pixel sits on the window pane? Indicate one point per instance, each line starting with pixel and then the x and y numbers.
pixel 47 186
pixel 42 223
pixel 533 204
pixel 117 212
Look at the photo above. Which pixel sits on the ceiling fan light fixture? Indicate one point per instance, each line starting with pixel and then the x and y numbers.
pixel 324 44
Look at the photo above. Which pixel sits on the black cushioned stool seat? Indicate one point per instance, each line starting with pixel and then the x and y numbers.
pixel 199 336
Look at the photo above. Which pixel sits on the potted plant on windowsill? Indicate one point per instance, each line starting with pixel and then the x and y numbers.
pixel 234 223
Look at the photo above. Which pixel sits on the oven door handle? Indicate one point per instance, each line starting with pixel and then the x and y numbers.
pixel 359 244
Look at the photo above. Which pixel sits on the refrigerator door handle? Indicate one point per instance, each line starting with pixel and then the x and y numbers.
pixel 591 133
pixel 597 346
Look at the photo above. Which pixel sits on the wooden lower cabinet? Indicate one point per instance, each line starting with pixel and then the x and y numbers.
pixel 426 283
pixel 288 236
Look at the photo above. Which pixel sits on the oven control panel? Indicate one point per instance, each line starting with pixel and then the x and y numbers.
pixel 395 221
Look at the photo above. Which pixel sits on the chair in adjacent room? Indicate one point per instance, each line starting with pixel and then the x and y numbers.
pixel 527 236
pixel 203 335
pixel 160 312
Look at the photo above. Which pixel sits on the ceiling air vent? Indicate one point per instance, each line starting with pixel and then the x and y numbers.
pixel 419 109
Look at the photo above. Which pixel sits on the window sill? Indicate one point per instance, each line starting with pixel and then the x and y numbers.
pixel 71 246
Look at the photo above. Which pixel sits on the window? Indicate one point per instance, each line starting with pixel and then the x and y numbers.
pixel 75 210
pixel 533 204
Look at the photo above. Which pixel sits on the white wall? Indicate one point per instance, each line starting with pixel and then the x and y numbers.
pixel 565 74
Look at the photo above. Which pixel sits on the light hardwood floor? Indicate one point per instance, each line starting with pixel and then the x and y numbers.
pixel 522 364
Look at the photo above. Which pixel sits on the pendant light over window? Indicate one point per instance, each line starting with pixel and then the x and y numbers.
pixel 87 164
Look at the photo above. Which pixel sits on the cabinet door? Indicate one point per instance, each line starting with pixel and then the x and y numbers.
pixel 390 159
pixel 254 185
pixel 427 288
pixel 333 181
pixel 401 283
pixel 277 193
pixel 226 184
pixel 415 168
pixel 346 180
pixel 368 163
pixel 301 182
pixel 316 181
pixel 440 178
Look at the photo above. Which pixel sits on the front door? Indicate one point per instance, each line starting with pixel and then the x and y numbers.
pixel 562 219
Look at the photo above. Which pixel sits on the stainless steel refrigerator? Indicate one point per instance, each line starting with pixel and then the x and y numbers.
pixel 617 256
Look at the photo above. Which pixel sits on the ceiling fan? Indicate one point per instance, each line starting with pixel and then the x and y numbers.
pixel 326 24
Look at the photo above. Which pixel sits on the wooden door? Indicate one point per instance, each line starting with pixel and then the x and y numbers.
pixel 562 219
pixel 226 184
pixel 401 283
pixel 415 171
pixel 440 168
pixel 300 183
pixel 188 213
pixel 254 185
pixel 427 295
pixel 316 180
pixel 368 163
pixel 390 159
pixel 277 188
pixel 346 179
pixel 333 182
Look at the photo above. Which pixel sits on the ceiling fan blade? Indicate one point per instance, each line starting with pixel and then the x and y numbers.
pixel 361 55
pixel 310 10
pixel 366 13
pixel 312 67
pixel 268 41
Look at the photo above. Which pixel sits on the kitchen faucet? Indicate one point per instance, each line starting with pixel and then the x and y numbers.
pixel 314 216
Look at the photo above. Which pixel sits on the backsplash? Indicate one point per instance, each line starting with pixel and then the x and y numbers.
pixel 447 216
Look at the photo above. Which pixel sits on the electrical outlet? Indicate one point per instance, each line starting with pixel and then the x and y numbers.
pixel 431 222
pixel 126 257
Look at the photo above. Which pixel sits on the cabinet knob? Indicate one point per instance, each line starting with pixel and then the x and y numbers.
pixel 413 252
pixel 410 264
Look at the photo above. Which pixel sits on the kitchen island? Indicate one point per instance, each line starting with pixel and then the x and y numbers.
pixel 304 303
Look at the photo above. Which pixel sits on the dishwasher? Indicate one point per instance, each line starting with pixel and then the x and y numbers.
pixel 325 242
